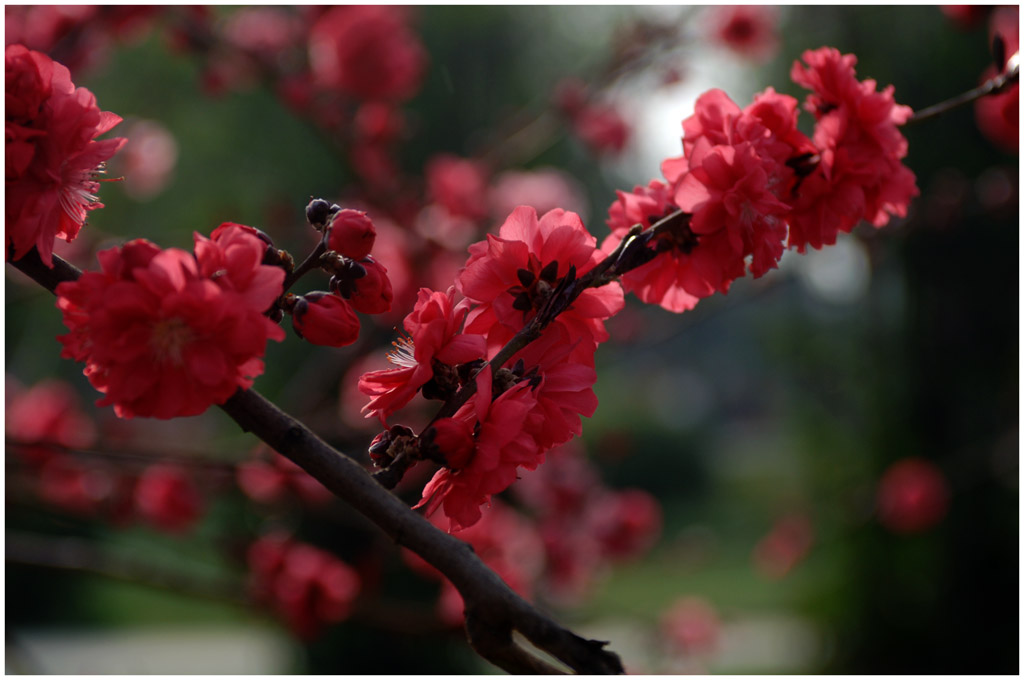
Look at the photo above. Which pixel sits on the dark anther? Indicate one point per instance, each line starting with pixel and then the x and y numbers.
pixel 522 302
pixel 550 272
pixel 468 370
pixel 526 277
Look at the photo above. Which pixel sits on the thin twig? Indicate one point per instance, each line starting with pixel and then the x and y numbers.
pixel 994 85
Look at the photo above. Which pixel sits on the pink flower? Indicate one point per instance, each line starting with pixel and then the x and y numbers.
pixel 367 52
pixel 749 30
pixel 432 351
pixel 458 184
pixel 52 160
pixel 502 445
pixel 861 151
pixel 271 481
pixel 308 587
pixel 352 234
pixel 913 496
pixel 512 275
pixel 325 319
pixel 233 257
pixel 625 523
pixel 543 189
pixel 601 128
pixel 159 338
pixel 167 497
pixel 785 546
pixel 692 625
pixel 47 413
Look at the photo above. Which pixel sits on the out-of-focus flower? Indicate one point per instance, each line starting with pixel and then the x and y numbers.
pixel 52 158
pixel 147 160
pixel 749 30
pixel 49 412
pixel 692 625
pixel 74 485
pixel 785 546
pixel 270 481
pixel 458 184
pixel 308 587
pixel 602 128
pixel 965 17
pixel 367 52
pixel 543 189
pixel 263 30
pixel 913 496
pixel 167 497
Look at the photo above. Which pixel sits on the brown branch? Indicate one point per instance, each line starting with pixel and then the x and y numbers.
pixel 994 85
pixel 488 599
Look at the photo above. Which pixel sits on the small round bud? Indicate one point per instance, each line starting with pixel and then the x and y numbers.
pixel 325 319
pixel 318 212
pixel 352 234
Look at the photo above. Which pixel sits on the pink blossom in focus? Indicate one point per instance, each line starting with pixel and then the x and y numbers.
pixel 434 347
pixel 52 158
pixel 159 338
pixel 326 319
pixel 510 276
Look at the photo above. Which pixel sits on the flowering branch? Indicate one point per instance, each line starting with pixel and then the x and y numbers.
pixel 994 85
pixel 493 610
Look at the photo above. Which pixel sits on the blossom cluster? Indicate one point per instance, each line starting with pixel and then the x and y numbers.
pixel 517 413
pixel 167 333
pixel 751 184
pixel 52 155
pixel 359 283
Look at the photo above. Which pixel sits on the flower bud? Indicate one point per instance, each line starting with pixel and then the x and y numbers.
pixel 318 213
pixel 371 294
pixel 352 234
pixel 325 319
pixel 450 441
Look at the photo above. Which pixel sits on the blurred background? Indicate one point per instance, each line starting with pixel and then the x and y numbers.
pixel 817 473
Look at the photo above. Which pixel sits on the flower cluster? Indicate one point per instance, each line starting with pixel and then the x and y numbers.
pixel 52 156
pixel 165 333
pixel 750 183
pixel 517 413
pixel 359 283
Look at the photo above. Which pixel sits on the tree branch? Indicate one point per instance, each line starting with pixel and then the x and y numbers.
pixel 994 85
pixel 488 599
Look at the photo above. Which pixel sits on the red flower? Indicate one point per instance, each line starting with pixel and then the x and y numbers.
pixel 47 413
pixel 306 586
pixel 352 234
pixel 601 128
pixel 512 275
pixel 458 184
pixel 913 496
pixel 325 319
pixel 430 353
pixel 160 339
pixel 998 116
pixel 367 52
pixel 232 257
pixel 625 523
pixel 51 158
pixel 861 151
pixel 749 30
pixel 502 445
pixel 167 497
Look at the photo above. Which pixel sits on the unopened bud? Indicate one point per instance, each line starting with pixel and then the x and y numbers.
pixel 318 212
pixel 352 234
pixel 372 292
pixel 325 319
